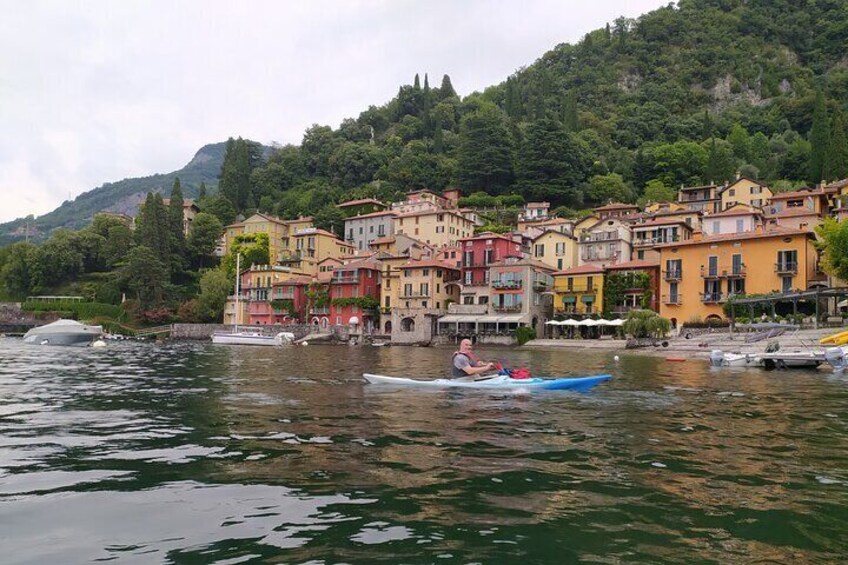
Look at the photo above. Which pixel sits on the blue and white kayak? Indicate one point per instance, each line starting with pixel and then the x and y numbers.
pixel 580 384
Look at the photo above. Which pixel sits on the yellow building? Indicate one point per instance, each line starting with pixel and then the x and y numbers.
pixel 435 227
pixel 579 290
pixel 745 191
pixel 584 224
pixel 557 249
pixel 427 284
pixel 699 275
pixel 309 246
pixel 276 229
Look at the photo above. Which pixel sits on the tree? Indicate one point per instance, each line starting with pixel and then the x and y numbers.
pixel 153 227
pixel 836 162
pixel 551 162
pixel 485 151
pixel 240 158
pixel 656 191
pixel 19 271
pixel 355 164
pixel 833 242
pixel 220 207
pixel 446 90
pixel 319 144
pixel 201 193
pixel 203 237
pixel 569 112
pixel 119 241
pixel 329 218
pixel 740 143
pixel 253 248
pixel 643 324
pixel 605 188
pixel 57 259
pixel 175 227
pixel 819 140
pixel 215 286
pixel 683 162
pixel 146 276
pixel 720 165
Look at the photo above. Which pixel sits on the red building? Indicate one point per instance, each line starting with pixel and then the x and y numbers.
pixel 356 280
pixel 632 298
pixel 482 250
pixel 288 300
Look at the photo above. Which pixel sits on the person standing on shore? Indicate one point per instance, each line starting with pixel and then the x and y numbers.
pixel 466 364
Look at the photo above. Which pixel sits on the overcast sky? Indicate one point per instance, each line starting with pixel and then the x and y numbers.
pixel 101 90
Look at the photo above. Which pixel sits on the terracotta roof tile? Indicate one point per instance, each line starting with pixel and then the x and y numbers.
pixel 772 231
pixel 581 270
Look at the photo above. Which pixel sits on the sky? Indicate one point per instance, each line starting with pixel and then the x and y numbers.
pixel 96 91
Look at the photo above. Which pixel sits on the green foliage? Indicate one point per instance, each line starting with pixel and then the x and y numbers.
pixel 215 286
pixel 220 207
pixel 642 324
pixel 819 139
pixel 833 242
pixel 241 157
pixel 329 218
pixel 203 237
pixel 18 273
pixel 485 151
pixel 524 334
pixel 836 158
pixel 79 310
pixel 146 276
pixel 656 191
pixel 616 285
pixel 364 302
pixel 286 304
pixel 253 248
pixel 153 228
pixel 608 188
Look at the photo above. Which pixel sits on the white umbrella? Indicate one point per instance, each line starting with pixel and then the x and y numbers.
pixel 587 322
pixel 553 323
pixel 618 322
pixel 602 322
pixel 569 322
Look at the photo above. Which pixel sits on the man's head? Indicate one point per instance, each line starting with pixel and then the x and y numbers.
pixel 465 345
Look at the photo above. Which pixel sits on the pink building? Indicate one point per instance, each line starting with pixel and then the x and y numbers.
pixel 482 250
pixel 355 280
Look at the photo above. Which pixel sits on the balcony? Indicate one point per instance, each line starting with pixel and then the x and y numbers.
pixel 577 290
pixel 507 284
pixel 601 236
pixel 672 299
pixel 454 308
pixel 289 256
pixel 344 279
pixel 786 268
pixel 319 310
pixel 415 295
pixel 736 272
pixel 506 307
pixel 542 283
pixel 712 297
pixel 651 241
pixel 673 275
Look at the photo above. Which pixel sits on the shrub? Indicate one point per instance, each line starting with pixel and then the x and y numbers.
pixel 646 323
pixel 79 310
pixel 524 334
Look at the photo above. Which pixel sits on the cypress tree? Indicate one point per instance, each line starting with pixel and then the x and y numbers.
pixel 836 163
pixel 438 140
pixel 175 219
pixel 426 83
pixel 153 227
pixel 819 139
pixel 446 90
pixel 569 112
pixel 485 153
pixel 417 84
pixel 201 194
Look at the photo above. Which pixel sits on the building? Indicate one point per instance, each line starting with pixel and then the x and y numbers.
pixel 704 199
pixel 478 254
pixel 814 200
pixel 745 191
pixel 309 246
pixel 641 290
pixel 556 249
pixel 361 206
pixel 289 300
pixel 426 288
pixel 739 218
pixel 615 210
pixel 583 224
pixel 649 233
pixel 579 291
pixel 354 295
pixel 421 201
pixel 436 227
pixel 535 211
pixel 607 242
pixel 361 230
pixel 699 275
pixel 276 229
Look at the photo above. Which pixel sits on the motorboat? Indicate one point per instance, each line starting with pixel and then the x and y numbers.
pixel 63 332
pixel 837 358
pixel 719 358
pixel 252 338
pixel 799 359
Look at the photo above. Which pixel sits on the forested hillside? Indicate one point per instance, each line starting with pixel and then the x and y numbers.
pixel 692 94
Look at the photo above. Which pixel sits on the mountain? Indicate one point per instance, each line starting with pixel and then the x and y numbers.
pixel 122 196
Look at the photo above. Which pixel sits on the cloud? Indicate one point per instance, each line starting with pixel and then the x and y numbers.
pixel 99 91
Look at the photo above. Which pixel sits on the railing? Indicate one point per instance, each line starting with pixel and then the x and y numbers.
pixel 454 308
pixel 712 297
pixel 416 295
pixel 344 279
pixel 674 299
pixel 710 273
pixel 507 307
pixel 673 275
pixel 320 310
pixel 507 284
pixel 655 240
pixel 577 289
pixel 737 272
pixel 786 267
pixel 734 272
pixel 603 236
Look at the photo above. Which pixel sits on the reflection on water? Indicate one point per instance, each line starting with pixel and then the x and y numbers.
pixel 200 453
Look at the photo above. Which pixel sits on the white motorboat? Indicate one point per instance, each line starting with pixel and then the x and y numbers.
pixel 63 332
pixel 837 358
pixel 809 359
pixel 249 337
pixel 719 358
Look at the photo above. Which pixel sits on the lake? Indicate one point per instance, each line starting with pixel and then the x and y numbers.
pixel 195 453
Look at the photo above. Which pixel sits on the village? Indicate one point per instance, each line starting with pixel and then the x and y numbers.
pixel 417 272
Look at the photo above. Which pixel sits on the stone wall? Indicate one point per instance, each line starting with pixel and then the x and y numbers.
pixel 205 331
pixel 422 326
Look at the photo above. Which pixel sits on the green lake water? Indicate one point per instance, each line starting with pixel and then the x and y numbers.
pixel 194 453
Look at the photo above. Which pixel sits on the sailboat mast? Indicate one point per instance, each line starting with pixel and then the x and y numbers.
pixel 238 290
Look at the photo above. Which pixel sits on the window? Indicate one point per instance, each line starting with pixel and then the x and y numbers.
pixel 787 261
pixel 468 258
pixel 786 284
pixel 589 282
pixel 737 264
pixel 468 277
pixel 570 283
pixel 381 230
pixel 350 234
pixel 731 192
pixel 482 300
pixel 740 225
pixel 424 289
pixel 756 190
pixel 560 248
pixel 559 264
pixel 673 296
pixel 716 227
pixel 360 230
pixel 338 320
pixel 713 265
pixel 539 250
pixel 640 254
pixel 468 299
pixel 425 272
pixel 387 302
pixel 489 256
pixel 757 202
pixel 438 273
pixel 407 289
pixel 370 229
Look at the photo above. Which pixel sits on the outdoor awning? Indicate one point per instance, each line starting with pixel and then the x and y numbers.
pixel 569 322
pixel 488 319
pixel 587 322
pixel 569 299
pixel 553 323
pixel 456 318
pixel 512 319
pixel 587 299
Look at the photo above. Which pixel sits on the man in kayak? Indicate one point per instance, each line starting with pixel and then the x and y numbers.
pixel 466 364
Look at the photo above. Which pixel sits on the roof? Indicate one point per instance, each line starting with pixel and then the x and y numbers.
pixel 581 270
pixel 524 262
pixel 790 212
pixel 772 231
pixel 381 240
pixel 685 188
pixel 432 212
pixel 551 230
pixel 261 215
pixel 633 265
pixel 736 210
pixel 373 214
pixel 487 235
pixel 616 206
pixel 538 205
pixel 293 280
pixel 319 231
pixel 803 193
pixel 836 185
pixel 740 179
pixel 359 202
pixel 424 263
pixel 653 222
pixel 297 220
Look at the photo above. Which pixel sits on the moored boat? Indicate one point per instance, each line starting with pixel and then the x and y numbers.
pixel 63 332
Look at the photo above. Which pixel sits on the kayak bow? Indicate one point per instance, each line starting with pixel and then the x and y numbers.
pixel 580 384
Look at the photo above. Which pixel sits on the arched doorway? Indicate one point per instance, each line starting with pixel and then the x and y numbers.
pixel 407 325
pixel 388 327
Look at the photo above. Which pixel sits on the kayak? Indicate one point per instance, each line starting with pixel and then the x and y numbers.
pixel 580 384
pixel 840 338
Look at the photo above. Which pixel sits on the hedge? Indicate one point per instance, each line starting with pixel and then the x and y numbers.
pixel 79 310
